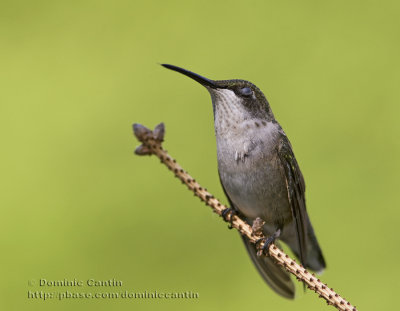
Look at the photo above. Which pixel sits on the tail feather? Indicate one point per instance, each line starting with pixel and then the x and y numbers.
pixel 314 258
pixel 277 278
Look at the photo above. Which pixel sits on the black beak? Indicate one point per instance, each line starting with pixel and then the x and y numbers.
pixel 203 81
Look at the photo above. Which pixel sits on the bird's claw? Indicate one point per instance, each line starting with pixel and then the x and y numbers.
pixel 267 243
pixel 231 212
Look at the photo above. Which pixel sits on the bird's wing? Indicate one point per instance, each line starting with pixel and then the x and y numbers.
pixel 296 189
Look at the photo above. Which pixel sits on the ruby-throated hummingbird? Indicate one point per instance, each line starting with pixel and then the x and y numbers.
pixel 260 175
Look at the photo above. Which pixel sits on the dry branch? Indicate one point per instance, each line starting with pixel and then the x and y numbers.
pixel 151 144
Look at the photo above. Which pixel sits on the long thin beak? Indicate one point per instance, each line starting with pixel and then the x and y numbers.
pixel 203 81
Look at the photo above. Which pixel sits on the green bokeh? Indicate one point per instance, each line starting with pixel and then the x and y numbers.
pixel 76 202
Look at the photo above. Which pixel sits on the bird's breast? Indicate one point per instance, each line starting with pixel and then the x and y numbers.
pixel 251 173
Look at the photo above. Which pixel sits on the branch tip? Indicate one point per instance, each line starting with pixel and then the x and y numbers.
pixel 159 132
pixel 140 131
pixel 142 150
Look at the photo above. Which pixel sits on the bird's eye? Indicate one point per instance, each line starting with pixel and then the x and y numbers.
pixel 246 91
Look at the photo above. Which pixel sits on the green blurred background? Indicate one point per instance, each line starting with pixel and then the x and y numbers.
pixel 76 202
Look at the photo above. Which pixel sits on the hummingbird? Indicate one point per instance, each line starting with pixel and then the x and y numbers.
pixel 260 176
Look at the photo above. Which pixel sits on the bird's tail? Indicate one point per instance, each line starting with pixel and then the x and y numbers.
pixel 277 278
pixel 315 260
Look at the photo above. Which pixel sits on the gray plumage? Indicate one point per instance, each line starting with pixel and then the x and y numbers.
pixel 260 175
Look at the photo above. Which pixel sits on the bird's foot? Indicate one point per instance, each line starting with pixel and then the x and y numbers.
pixel 231 212
pixel 267 242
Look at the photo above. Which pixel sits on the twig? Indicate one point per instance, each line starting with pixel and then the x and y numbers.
pixel 151 144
